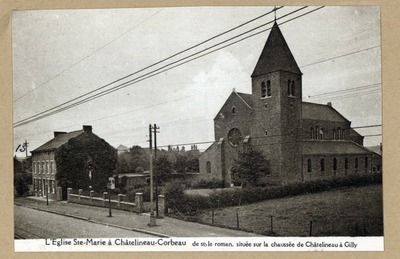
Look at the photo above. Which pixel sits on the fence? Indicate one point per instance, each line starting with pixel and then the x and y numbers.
pixel 137 206
pixel 271 225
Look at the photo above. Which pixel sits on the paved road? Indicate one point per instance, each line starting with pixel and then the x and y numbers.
pixel 35 224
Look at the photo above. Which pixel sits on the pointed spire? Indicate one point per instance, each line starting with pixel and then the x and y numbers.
pixel 276 55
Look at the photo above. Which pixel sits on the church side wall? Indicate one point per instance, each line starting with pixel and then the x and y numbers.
pixel 213 156
pixel 326 171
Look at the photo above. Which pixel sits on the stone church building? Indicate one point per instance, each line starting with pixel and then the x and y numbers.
pixel 302 141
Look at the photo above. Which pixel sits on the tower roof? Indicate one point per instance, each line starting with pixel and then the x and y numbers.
pixel 276 55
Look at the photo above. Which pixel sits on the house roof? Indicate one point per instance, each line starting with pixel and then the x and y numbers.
pixel 332 147
pixel 314 111
pixel 58 141
pixel 276 55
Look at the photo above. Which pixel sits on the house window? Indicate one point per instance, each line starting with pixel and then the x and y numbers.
pixel 43 167
pixel 233 110
pixel 51 167
pixel 292 90
pixel 54 167
pixel 339 133
pixel 48 166
pixel 208 167
pixel 346 164
pixel 366 164
pixel 322 165
pixel 309 166
pixel 334 134
pixel 342 134
pixel 312 133
pixel 379 168
pixel 288 88
pixel 316 132
pixel 321 133
pixel 34 167
pixel 266 132
pixel 263 90
pixel 334 164
pixel 269 91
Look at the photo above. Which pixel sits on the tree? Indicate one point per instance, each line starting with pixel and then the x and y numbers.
pixel 129 162
pixel 181 164
pixel 250 167
pixel 163 167
pixel 193 165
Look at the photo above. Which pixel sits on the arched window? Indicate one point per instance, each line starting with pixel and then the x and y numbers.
pixel 269 91
pixel 334 164
pixel 312 133
pixel 356 164
pixel 233 110
pixel 292 88
pixel 309 166
pixel 322 165
pixel 346 164
pixel 208 167
pixel 263 90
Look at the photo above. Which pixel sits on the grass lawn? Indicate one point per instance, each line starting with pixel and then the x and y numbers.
pixel 348 211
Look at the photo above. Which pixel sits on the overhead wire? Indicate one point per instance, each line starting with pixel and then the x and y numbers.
pixel 147 75
pixel 87 56
pixel 150 66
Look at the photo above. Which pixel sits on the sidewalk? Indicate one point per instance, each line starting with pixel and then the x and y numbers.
pixel 166 227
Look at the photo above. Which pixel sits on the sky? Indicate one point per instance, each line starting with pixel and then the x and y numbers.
pixel 59 55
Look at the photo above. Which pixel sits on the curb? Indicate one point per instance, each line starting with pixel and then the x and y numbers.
pixel 94 221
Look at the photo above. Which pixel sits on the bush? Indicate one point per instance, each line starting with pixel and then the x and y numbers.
pixel 21 183
pixel 209 184
pixel 191 204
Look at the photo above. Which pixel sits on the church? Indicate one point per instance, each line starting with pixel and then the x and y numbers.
pixel 302 141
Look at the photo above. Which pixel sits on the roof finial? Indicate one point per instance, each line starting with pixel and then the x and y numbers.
pixel 275 13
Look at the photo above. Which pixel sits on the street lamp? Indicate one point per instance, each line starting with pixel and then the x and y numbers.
pixel 47 192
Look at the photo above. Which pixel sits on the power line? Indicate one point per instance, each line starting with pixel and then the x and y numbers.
pixel 156 63
pixel 344 55
pixel 136 80
pixel 344 90
pixel 87 56
pixel 307 133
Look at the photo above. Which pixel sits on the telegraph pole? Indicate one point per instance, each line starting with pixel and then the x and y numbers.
pixel 152 219
pixel 155 168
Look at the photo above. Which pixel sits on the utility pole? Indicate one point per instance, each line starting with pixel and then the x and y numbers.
pixel 26 148
pixel 155 168
pixel 152 219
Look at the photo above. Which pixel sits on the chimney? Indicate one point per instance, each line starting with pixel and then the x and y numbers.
pixel 87 128
pixel 56 133
pixel 329 104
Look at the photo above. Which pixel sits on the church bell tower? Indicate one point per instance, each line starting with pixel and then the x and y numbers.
pixel 277 99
